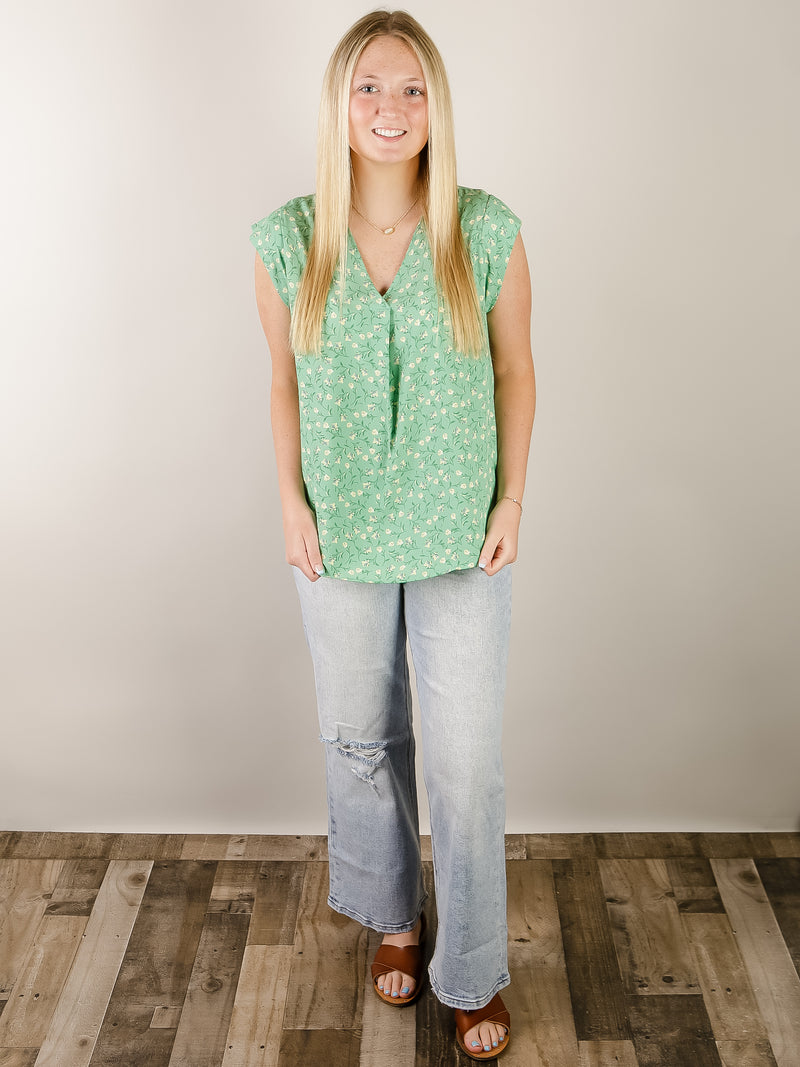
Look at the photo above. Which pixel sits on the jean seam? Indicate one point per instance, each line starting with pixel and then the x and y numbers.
pixel 382 928
pixel 467 1003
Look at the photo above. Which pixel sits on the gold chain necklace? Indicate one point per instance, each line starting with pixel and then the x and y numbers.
pixel 389 229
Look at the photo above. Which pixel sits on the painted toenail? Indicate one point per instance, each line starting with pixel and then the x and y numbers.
pixel 486 1048
pixel 395 994
pixel 404 989
pixel 476 1044
pixel 494 1044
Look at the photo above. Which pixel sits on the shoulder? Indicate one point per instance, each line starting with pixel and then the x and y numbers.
pixel 483 213
pixel 290 224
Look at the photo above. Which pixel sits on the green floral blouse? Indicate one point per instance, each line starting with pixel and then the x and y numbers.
pixel 397 429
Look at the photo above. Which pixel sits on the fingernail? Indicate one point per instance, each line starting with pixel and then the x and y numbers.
pixel 404 989
pixel 482 564
pixel 320 570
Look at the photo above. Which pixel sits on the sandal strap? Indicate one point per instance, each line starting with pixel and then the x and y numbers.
pixel 493 1012
pixel 392 958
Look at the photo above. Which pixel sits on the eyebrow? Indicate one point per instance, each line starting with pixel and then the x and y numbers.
pixel 376 77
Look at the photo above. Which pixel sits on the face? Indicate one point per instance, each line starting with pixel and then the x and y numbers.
pixel 388 103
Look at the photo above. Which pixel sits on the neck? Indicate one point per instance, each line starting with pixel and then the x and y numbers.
pixel 384 191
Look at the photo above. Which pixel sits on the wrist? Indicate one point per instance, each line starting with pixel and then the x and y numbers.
pixel 293 502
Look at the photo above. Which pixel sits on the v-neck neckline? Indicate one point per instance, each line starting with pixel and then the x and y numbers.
pixel 391 285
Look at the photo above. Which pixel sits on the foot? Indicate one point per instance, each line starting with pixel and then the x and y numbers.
pixel 485 1038
pixel 483 1033
pixel 395 983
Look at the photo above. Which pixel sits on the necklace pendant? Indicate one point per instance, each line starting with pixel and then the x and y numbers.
pixel 389 231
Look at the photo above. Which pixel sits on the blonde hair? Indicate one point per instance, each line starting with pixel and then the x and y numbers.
pixel 451 261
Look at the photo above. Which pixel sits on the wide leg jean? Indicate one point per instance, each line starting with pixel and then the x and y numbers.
pixel 457 626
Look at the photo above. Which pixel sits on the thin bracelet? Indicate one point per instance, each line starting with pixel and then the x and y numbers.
pixel 514 500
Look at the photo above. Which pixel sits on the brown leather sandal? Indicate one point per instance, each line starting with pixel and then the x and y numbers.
pixel 409 960
pixel 493 1012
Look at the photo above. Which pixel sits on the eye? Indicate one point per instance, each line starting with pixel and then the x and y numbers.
pixel 367 89
pixel 414 91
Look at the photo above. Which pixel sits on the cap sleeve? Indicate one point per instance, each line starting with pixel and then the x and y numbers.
pixel 267 236
pixel 499 232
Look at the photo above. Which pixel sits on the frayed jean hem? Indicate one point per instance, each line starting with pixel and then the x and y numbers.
pixel 382 928
pixel 466 1003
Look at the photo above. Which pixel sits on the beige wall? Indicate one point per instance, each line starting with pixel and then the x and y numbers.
pixel 154 675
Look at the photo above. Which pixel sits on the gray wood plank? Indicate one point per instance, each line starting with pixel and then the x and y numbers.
pixel 157 966
pixel 82 1005
pixel 781 880
pixel 25 890
pixel 595 983
pixel 786 844
pixel 693 884
pixel 333 1048
pixel 746 1054
pixel 538 999
pixel 255 1031
pixel 650 943
pixel 206 1016
pixel 77 887
pixel 737 846
pixel 773 977
pixel 234 886
pixel 607 1054
pixel 326 985
pixel 724 980
pixel 672 1032
pixel 147 846
pixel 278 889
pixel 41 979
pixel 18 1057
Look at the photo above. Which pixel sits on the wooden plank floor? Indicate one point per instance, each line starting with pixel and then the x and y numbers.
pixel 631 950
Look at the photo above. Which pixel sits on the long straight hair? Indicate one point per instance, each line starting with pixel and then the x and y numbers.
pixel 452 266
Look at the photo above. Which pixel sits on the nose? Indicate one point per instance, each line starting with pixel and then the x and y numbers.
pixel 388 103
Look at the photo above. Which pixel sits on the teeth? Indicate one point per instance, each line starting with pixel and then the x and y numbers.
pixel 387 133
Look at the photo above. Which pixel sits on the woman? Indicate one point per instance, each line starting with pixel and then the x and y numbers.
pixel 396 306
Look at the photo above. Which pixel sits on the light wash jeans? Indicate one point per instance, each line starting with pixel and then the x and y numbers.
pixel 457 626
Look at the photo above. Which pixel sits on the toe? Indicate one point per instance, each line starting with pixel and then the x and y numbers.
pixel 404 985
pixel 494 1035
pixel 396 985
pixel 485 1037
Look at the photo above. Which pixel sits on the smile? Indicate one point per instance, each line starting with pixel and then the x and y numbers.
pixel 383 131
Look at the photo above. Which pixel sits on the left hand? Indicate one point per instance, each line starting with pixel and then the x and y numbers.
pixel 502 536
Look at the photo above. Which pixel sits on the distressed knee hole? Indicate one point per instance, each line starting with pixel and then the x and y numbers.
pixel 364 756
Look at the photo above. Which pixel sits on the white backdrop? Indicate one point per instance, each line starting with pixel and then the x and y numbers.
pixel 154 673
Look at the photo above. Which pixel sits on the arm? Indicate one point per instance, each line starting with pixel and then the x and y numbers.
pixel 509 324
pixel 299 526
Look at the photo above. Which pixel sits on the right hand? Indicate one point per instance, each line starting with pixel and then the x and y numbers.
pixel 302 541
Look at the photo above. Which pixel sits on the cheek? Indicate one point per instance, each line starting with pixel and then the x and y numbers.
pixel 352 122
pixel 422 120
pixel 359 108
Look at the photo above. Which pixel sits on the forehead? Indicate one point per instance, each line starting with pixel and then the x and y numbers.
pixel 388 55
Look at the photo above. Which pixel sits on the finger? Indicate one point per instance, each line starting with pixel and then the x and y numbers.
pixel 504 553
pixel 314 555
pixel 303 565
pixel 298 557
pixel 488 551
